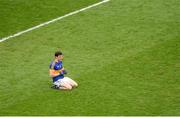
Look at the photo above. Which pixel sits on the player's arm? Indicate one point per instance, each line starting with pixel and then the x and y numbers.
pixel 63 71
pixel 53 73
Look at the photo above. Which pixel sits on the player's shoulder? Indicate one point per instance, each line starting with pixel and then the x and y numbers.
pixel 52 64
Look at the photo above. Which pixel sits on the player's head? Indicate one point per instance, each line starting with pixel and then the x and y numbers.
pixel 59 55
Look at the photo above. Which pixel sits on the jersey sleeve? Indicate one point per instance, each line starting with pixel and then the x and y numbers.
pixel 52 65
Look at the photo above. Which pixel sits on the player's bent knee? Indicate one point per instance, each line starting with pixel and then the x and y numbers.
pixel 75 84
pixel 69 87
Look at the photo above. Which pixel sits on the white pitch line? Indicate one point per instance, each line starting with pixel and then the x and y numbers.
pixel 53 20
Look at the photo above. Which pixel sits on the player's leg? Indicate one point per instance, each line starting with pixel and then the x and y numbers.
pixel 61 84
pixel 71 82
pixel 65 85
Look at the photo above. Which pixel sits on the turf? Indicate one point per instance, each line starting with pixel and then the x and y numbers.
pixel 124 55
pixel 20 15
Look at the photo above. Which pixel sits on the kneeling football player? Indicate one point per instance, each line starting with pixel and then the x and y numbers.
pixel 57 72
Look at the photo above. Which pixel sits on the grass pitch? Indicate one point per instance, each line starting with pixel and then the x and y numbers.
pixel 124 55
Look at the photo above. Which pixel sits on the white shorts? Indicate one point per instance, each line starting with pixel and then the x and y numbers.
pixel 63 81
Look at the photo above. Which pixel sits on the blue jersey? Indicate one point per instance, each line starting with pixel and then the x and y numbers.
pixel 57 66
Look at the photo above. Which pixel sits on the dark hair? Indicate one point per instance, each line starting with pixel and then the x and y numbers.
pixel 58 53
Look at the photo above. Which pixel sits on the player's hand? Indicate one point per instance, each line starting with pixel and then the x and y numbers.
pixel 62 69
pixel 63 72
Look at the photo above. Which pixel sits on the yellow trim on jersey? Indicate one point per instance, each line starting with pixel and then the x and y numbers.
pixel 57 71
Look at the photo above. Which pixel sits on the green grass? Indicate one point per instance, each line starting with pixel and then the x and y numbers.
pixel 125 55
pixel 19 15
